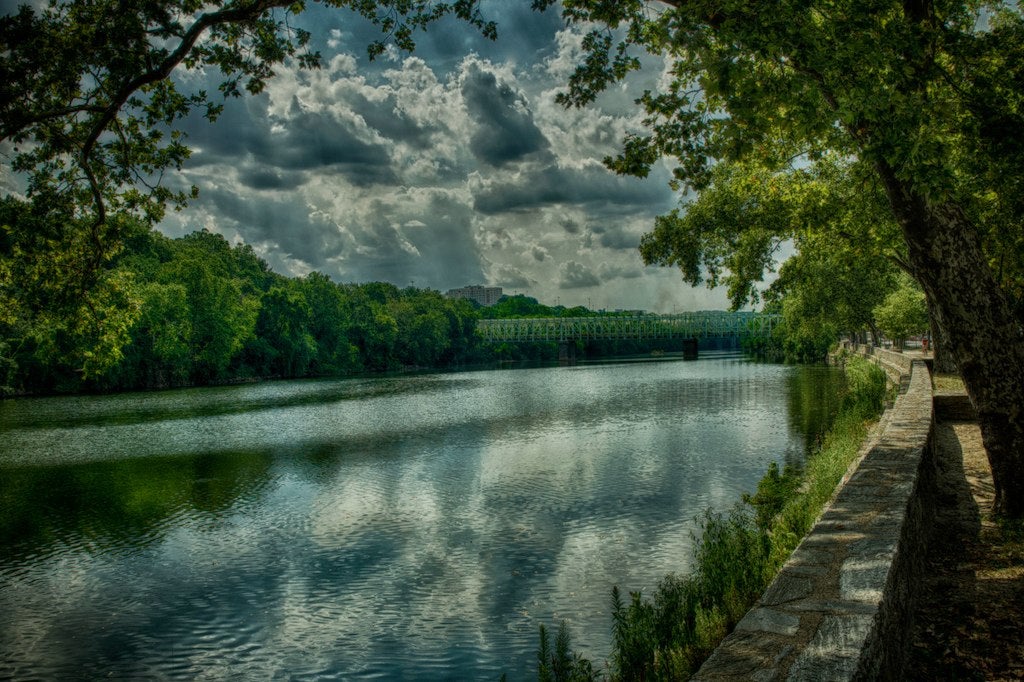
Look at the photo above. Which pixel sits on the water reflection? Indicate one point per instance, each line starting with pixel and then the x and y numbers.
pixel 422 531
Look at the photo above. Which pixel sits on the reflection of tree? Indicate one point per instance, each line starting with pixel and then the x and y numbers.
pixel 121 505
pixel 814 396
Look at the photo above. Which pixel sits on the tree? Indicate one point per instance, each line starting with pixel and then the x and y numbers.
pixel 329 324
pixel 283 331
pixel 58 331
pixel 902 313
pixel 916 96
pixel 221 319
pixel 158 355
pixel 89 108
pixel 825 290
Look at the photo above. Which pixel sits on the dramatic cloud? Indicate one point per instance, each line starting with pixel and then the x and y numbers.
pixel 593 186
pixel 574 275
pixel 454 166
pixel 505 130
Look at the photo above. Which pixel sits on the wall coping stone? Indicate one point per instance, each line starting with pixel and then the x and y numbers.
pixel 839 609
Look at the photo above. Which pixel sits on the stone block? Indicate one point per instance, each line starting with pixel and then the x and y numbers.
pixel 770 620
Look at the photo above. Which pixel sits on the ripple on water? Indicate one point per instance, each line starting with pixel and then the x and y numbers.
pixel 330 538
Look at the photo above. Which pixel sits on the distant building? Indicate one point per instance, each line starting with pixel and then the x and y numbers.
pixel 481 294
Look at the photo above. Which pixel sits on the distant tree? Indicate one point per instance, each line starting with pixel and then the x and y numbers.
pixel 221 318
pixel 283 330
pixel 329 322
pixel 825 290
pixel 903 313
pixel 520 305
pixel 159 352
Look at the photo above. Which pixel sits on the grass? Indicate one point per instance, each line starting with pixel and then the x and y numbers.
pixel 737 554
pixel 947 382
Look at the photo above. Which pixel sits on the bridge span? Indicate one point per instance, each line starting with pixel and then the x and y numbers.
pixel 701 325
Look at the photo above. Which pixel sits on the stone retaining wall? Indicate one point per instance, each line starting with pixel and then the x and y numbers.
pixel 840 607
pixel 896 365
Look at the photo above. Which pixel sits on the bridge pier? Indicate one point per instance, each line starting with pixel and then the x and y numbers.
pixel 690 349
pixel 567 353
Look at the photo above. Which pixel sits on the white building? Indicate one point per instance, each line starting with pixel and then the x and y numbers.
pixel 481 294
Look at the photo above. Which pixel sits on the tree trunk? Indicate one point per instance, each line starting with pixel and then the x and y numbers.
pixel 942 359
pixel 876 336
pixel 945 253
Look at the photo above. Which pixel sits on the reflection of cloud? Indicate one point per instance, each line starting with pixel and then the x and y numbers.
pixel 386 519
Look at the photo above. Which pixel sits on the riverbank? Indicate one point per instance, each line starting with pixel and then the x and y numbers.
pixel 838 609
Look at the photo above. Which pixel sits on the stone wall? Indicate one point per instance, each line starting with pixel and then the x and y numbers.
pixel 896 365
pixel 839 609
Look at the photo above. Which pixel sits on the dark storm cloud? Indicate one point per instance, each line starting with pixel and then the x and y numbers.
pixel 284 223
pixel 521 31
pixel 310 141
pixel 384 117
pixel 608 272
pixel 592 186
pixel 505 128
pixel 511 278
pixel 616 237
pixel 258 177
pixel 446 245
pixel 318 141
pixel 571 226
pixel 241 126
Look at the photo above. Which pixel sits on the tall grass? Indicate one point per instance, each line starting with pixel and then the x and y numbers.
pixel 737 553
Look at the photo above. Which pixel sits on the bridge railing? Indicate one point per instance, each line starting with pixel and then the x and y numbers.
pixel 643 327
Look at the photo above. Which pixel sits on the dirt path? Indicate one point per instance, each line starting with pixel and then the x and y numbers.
pixel 969 623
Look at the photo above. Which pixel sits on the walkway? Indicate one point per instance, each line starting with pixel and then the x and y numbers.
pixel 969 623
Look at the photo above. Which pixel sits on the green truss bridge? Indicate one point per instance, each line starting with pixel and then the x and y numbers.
pixel 684 326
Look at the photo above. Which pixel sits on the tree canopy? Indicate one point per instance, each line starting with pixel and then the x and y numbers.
pixel 197 310
pixel 902 313
pixel 88 115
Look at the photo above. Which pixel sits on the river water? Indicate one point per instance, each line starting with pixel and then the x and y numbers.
pixel 413 527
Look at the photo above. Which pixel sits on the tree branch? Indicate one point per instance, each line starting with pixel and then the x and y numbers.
pixel 164 69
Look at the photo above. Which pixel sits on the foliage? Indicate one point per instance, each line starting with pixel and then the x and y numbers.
pixel 844 261
pixel 913 103
pixel 825 290
pixel 89 115
pixel 196 310
pixel 903 313
pixel 87 96
pixel 867 392
pixel 909 85
pixel 561 664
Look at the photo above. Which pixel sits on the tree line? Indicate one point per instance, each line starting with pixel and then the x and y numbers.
pixel 197 310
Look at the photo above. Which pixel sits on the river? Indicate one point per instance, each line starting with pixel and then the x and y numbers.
pixel 411 527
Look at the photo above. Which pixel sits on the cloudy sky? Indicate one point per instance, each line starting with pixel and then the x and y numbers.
pixel 448 167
